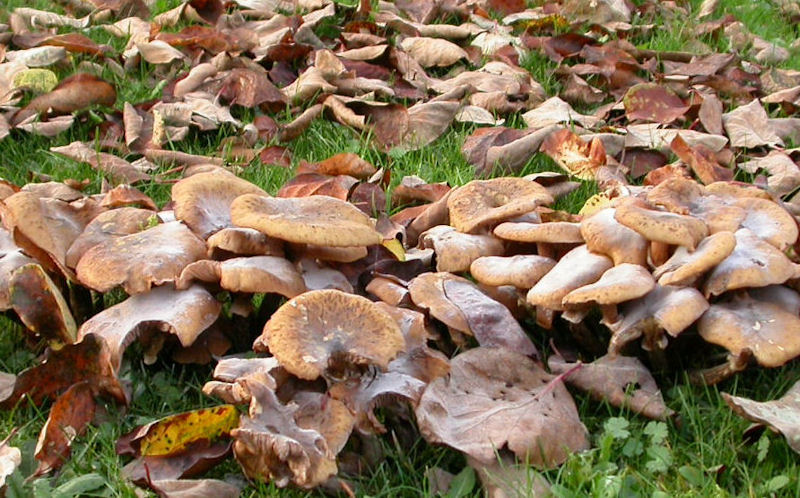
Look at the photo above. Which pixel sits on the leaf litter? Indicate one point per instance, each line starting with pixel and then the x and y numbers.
pixel 460 358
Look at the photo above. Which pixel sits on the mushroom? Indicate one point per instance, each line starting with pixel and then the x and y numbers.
pixel 318 219
pixel 605 235
pixel 545 235
pixel 484 202
pixel 455 251
pixel 577 268
pixel 203 200
pixel 242 242
pixel 323 331
pixel 752 263
pixel 521 271
pixel 140 260
pixel 660 226
pixel 618 284
pixel 684 267
pixel 670 309
pixel 109 225
pixel 257 274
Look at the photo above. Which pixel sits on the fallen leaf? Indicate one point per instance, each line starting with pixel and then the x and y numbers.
pixel 75 93
pixel 10 459
pixel 701 161
pixel 194 488
pixel 306 184
pixel 429 52
pixel 748 126
pixel 780 415
pixel 653 103
pixel 69 416
pixel 40 305
pixel 577 157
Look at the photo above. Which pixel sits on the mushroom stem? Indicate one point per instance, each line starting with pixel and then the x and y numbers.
pixel 544 317
pixel 545 250
pixel 609 312
pixel 714 375
pixel 586 339
pixel 659 252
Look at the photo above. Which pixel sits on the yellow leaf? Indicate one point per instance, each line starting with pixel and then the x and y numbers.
pixel 595 203
pixel 172 434
pixel 396 248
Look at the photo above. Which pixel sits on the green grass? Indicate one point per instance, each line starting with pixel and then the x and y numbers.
pixel 703 453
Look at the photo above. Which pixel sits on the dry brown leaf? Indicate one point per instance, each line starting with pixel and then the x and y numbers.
pixel 40 305
pixel 429 52
pixel 69 416
pixel 77 92
pixel 701 160
pixel 495 399
pixel 577 157
pixel 781 415
pixel 118 169
pixel 748 126
pixel 653 103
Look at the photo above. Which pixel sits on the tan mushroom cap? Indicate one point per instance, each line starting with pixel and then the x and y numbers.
pixel 203 201
pixel 605 235
pixel 455 251
pixel 125 195
pixel 621 283
pixel 577 268
pixel 109 225
pixel 427 292
pixel 661 226
pixel 554 232
pixel 334 254
pixel 766 329
pixel 318 219
pixel 752 263
pixel 140 260
pixel 257 274
pixel 769 221
pixel 53 190
pixel 684 267
pixel 521 271
pixel 243 242
pixel 665 308
pixel 317 328
pixel 483 202
pixel 686 196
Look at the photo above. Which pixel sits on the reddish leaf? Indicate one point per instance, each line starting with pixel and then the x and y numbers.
pixel 40 306
pixel 209 10
pixel 345 163
pixel 701 160
pixel 308 184
pixel 69 416
pixel 276 155
pixel 573 154
pixel 251 88
pixel 74 93
pixel 653 103
pixel 369 198
pixel 198 459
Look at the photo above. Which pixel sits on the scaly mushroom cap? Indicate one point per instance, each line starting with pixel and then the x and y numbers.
pixel 317 328
pixel 766 329
pixel 605 235
pixel 521 271
pixel 752 263
pixel 257 274
pixel 318 219
pixel 203 201
pixel 109 225
pixel 554 232
pixel 618 284
pixel 661 226
pixel 577 268
pixel 483 202
pixel 140 260
pixel 685 267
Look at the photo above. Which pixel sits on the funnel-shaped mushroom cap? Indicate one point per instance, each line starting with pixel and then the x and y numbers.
pixel 317 220
pixel 753 263
pixel 605 235
pixel 618 284
pixel 661 226
pixel 766 329
pixel 554 232
pixel 140 260
pixel 483 202
pixel 318 328
pixel 684 266
pixel 577 268
pixel 203 201
pixel 672 309
pixel 109 225
pixel 521 271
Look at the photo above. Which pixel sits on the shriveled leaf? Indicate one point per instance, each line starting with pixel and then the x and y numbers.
pixel 622 381
pixel 781 415
pixel 345 163
pixel 494 399
pixel 198 459
pixel 118 169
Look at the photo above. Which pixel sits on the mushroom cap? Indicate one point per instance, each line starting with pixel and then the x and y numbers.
pixel 140 260
pixel 483 202
pixel 605 235
pixel 244 242
pixel 312 329
pixel 577 268
pixel 427 292
pixel 108 225
pixel 318 219
pixel 684 266
pixel 257 274
pixel 766 329
pixel 203 201
pixel 621 283
pixel 455 251
pixel 521 271
pixel 768 220
pixel 752 263
pixel 554 232
pixel 661 226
